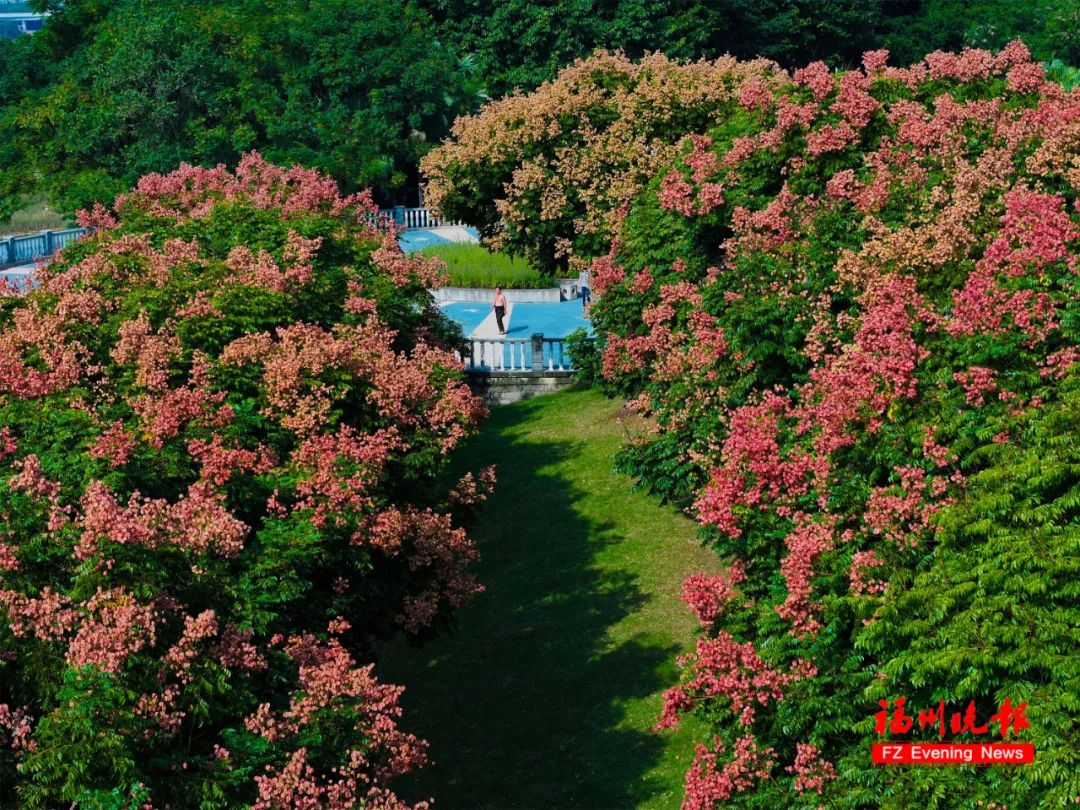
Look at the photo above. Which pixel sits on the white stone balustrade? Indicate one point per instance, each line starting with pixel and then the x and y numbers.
pixel 537 354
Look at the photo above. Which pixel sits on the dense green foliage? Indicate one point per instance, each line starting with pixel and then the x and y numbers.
pixel 113 89
pixel 584 356
pixel 470 265
pixel 993 611
pixel 1050 28
pixel 519 44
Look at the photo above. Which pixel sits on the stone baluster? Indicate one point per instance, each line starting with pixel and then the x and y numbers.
pixel 538 352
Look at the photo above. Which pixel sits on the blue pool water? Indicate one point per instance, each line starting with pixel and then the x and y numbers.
pixel 551 320
pixel 467 313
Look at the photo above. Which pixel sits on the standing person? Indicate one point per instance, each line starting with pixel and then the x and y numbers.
pixel 500 309
pixel 583 285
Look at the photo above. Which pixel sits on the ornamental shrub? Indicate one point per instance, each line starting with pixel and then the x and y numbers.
pixel 856 324
pixel 222 416
pixel 543 174
pixel 584 356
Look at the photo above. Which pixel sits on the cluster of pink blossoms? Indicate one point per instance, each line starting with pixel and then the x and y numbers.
pixel 811 771
pixel 707 783
pixel 805 545
pixel 710 595
pixel 862 582
pixel 721 667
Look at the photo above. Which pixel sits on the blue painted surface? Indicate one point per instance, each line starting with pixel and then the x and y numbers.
pixel 31 247
pixel 554 320
pixel 414 240
pixel 468 313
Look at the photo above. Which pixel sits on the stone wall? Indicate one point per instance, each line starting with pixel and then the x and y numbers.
pixel 504 387
pixel 566 290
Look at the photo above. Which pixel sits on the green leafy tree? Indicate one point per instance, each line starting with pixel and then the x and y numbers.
pixel 1048 27
pixel 110 91
pixel 520 44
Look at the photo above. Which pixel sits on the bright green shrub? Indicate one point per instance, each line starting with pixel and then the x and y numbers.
pixel 993 613
pixel 584 356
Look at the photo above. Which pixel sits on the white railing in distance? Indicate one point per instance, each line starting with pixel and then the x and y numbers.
pixel 535 355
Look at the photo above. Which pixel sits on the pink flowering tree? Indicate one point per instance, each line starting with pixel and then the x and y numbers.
pixel 545 174
pixel 842 313
pixel 223 415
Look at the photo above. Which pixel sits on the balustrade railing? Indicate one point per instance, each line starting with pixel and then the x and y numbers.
pixel 16 250
pixel 537 354
pixel 411 218
pixel 422 218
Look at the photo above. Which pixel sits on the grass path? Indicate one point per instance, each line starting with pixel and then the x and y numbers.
pixel 545 694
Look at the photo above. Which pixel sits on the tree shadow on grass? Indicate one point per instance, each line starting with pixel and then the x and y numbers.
pixel 522 702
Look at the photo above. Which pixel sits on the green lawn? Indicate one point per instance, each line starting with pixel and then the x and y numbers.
pixel 546 693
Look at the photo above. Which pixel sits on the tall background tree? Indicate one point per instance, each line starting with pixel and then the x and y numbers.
pixel 362 89
pixel 521 44
pixel 1048 27
pixel 113 89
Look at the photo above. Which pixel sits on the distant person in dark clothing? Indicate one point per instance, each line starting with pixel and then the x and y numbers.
pixel 500 309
